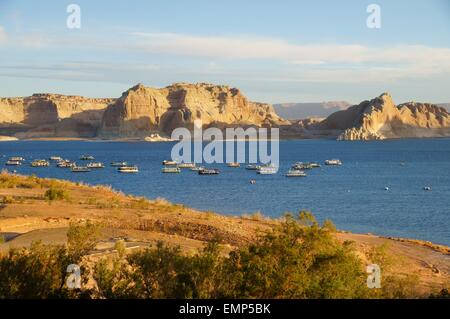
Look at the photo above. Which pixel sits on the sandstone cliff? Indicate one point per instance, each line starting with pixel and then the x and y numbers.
pixel 141 110
pixel 380 118
pixel 51 115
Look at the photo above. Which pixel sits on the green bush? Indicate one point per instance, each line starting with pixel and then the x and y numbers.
pixel 56 194
pixel 298 259
pixel 40 271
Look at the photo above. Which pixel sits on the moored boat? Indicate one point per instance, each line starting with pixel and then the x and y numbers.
pixel 295 173
pixel 186 165
pixel 267 170
pixel 197 168
pixel 333 162
pixel 80 169
pixel 169 170
pixel 169 163
pixel 252 167
pixel 17 158
pixel 13 163
pixel 233 164
pixel 209 171
pixel 65 164
pixel 55 158
pixel 128 169
pixel 95 165
pixel 119 164
pixel 87 158
pixel 40 163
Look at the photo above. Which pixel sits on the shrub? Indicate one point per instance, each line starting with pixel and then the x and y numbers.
pixel 56 194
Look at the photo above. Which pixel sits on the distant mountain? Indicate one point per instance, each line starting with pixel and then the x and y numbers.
pixel 445 106
pixel 296 111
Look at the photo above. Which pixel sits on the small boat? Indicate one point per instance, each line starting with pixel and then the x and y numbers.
pixel 119 164
pixel 16 159
pixel 95 165
pixel 80 169
pixel 206 171
pixel 233 164
pixel 128 169
pixel 427 188
pixel 65 164
pixel 169 163
pixel 56 158
pixel 169 170
pixel 302 166
pixel 252 181
pixel 295 173
pixel 386 188
pixel 252 167
pixel 197 168
pixel 87 158
pixel 334 162
pixel 13 163
pixel 186 165
pixel 267 170
pixel 40 163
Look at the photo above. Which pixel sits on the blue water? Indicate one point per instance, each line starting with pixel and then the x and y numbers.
pixel 353 196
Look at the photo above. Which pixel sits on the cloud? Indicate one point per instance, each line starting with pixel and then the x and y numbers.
pixel 257 48
pixel 180 57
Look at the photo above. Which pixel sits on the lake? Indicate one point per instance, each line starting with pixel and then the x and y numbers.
pixel 353 195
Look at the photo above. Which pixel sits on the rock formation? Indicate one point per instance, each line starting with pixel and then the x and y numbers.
pixel 144 112
pixel 141 110
pixel 380 118
pixel 51 115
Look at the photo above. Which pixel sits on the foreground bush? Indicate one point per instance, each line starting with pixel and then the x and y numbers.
pixel 297 259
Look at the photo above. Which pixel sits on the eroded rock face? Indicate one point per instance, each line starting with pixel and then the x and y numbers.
pixel 380 118
pixel 52 115
pixel 142 110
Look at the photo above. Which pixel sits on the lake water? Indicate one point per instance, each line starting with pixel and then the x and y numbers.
pixel 353 196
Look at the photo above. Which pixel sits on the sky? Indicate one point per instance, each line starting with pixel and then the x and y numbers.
pixel 274 51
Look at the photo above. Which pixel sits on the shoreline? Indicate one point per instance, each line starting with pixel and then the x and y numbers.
pixel 27 216
pixel 68 139
pixel 443 248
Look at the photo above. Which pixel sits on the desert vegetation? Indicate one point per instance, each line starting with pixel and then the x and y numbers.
pixel 297 259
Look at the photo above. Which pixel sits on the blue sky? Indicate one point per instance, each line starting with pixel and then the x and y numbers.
pixel 274 51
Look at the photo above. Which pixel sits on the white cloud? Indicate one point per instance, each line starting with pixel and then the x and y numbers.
pixel 224 59
pixel 417 59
